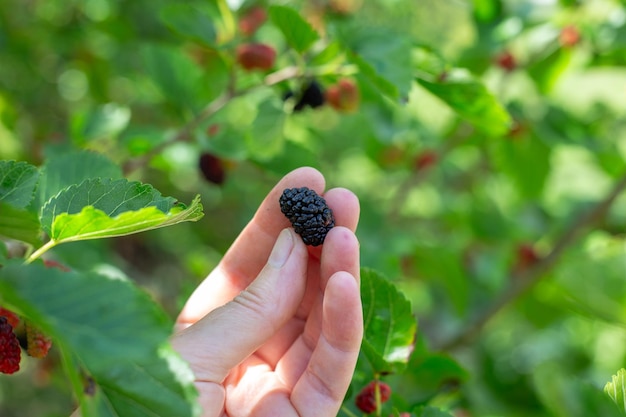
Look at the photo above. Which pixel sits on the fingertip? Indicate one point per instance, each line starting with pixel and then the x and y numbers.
pixel 345 205
pixel 343 314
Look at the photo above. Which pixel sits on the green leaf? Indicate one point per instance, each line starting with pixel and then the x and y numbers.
pixel 179 78
pixel 390 327
pixel 299 34
pixel 73 167
pixel 546 72
pixel 20 225
pixel 114 330
pixel 383 56
pixel 102 319
pixel 265 138
pixel 159 385
pixel 191 21
pixel 92 223
pixel 113 197
pixel 17 183
pixel 616 389
pixel 471 100
pixel 106 121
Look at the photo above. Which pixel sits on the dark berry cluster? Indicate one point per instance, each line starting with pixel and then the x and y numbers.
pixel 308 213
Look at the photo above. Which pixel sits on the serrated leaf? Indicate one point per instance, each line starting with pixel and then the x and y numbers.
pixel 114 330
pixel 299 34
pixel 20 225
pixel 616 389
pixel 92 223
pixel 18 180
pixel 68 168
pixel 190 21
pixel 113 197
pixel 390 326
pixel 471 100
pixel 101 318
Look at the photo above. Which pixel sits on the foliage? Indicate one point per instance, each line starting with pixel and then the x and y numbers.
pixel 487 148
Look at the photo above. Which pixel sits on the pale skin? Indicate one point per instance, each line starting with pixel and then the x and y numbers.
pixel 275 329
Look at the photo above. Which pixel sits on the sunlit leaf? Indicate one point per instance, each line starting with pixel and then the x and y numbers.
pixel 471 100
pixel 104 208
pixel 616 389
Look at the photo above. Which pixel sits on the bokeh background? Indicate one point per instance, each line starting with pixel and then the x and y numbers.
pixel 456 211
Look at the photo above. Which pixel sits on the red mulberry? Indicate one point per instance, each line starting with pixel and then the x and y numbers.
pixel 37 343
pixel 10 352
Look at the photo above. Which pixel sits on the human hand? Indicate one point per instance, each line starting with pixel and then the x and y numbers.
pixel 275 329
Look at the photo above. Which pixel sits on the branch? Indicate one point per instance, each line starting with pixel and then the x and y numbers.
pixel 525 280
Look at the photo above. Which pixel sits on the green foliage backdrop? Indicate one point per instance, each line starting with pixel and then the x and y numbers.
pixel 488 152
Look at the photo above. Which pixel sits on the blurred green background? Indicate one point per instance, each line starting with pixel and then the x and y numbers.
pixel 453 229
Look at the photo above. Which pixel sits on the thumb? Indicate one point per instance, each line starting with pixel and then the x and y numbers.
pixel 229 334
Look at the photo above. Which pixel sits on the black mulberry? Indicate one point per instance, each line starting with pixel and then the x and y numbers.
pixel 308 213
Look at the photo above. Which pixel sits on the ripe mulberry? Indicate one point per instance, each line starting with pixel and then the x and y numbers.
pixel 308 213
pixel 10 352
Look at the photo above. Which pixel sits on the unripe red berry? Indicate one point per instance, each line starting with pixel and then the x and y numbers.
pixel 213 130
pixel 343 96
pixel 506 61
pixel 425 160
pixel 10 352
pixel 252 20
pixel 37 343
pixel 256 56
pixel 569 36
pixel 366 399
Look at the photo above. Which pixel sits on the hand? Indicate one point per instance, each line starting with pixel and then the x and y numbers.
pixel 275 329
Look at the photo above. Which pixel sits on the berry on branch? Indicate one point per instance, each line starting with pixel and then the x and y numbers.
pixel 256 56
pixel 343 96
pixel 308 213
pixel 11 317
pixel 252 20
pixel 366 399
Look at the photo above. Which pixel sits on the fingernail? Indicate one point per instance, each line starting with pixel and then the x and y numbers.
pixel 282 249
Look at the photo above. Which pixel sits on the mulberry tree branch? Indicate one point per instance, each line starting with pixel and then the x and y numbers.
pixel 523 281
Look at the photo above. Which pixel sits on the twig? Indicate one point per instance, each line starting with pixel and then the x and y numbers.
pixel 523 281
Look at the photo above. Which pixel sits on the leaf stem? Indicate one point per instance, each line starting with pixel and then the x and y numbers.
pixel 36 254
pixel 526 279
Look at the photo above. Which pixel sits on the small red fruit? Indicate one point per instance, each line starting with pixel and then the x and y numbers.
pixel 366 399
pixel 506 61
pixel 343 96
pixel 426 160
pixel 570 36
pixel 252 20
pixel 256 56
pixel 37 343
pixel 213 130
pixel 10 352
